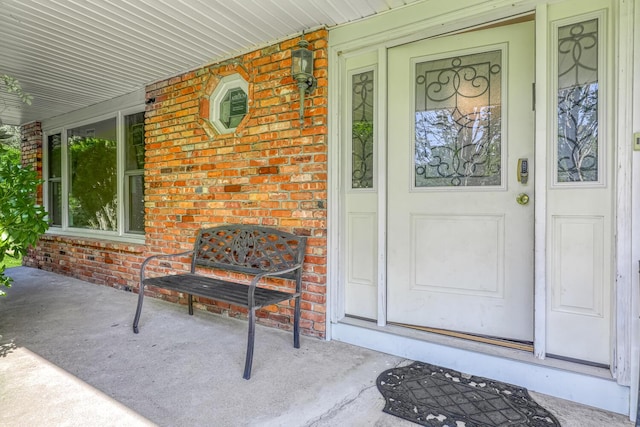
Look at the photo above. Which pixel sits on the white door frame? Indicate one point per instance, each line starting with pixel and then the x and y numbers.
pixel 626 294
pixel 450 22
pixel 540 206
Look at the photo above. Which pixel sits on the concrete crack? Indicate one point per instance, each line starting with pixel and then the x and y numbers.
pixel 349 400
pixel 404 362
pixel 337 408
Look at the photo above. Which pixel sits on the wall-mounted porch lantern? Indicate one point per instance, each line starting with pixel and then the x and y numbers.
pixel 302 72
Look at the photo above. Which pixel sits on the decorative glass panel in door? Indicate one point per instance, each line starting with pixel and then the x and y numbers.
pixel 362 130
pixel 578 102
pixel 458 121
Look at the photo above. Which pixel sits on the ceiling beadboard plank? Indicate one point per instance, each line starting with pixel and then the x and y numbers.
pixel 285 16
pixel 209 34
pixel 255 27
pixel 181 29
pixel 131 32
pixel 53 34
pixel 301 14
pixel 44 81
pixel 221 28
pixel 64 66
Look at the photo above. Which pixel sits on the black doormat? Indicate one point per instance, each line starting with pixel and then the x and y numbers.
pixel 437 397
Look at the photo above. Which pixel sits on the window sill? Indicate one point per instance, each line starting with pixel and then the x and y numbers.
pixel 131 244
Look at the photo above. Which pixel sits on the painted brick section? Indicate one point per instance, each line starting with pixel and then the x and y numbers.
pixel 96 261
pixel 271 171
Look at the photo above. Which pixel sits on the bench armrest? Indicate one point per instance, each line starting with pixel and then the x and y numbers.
pixel 151 258
pixel 257 277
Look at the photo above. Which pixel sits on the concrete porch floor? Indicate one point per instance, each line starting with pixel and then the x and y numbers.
pixel 68 357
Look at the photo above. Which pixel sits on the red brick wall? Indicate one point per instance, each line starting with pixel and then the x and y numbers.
pixel 31 149
pixel 271 172
pixel 97 261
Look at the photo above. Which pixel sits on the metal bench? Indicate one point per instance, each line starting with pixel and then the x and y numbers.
pixel 254 250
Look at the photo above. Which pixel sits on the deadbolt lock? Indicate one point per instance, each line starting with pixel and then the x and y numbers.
pixel 522 199
pixel 523 171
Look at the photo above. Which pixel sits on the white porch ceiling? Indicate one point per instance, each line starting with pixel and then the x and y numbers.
pixel 69 54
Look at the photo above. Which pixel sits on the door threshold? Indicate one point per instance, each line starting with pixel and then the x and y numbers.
pixel 486 339
pixel 398 331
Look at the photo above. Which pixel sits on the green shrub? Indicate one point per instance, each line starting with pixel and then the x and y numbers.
pixel 22 220
pixel 11 260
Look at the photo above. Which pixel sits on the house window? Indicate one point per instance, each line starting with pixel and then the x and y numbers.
pixel 134 173
pixel 229 103
pixel 54 148
pixel 92 158
pixel 95 177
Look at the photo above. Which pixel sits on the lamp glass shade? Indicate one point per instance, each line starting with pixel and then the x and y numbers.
pixel 301 63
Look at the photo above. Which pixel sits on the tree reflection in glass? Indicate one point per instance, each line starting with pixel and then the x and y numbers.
pixel 93 168
pixel 458 121
pixel 577 148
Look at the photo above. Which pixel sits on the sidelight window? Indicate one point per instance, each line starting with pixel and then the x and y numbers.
pixel 578 130
pixel 362 129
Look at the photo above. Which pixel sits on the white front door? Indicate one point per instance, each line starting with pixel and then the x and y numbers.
pixel 460 230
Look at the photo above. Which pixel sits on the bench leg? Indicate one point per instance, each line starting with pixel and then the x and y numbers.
pixel 296 323
pixel 190 304
pixel 136 319
pixel 250 340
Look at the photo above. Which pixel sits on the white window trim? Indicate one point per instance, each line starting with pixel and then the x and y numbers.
pixel 123 175
pixel 45 171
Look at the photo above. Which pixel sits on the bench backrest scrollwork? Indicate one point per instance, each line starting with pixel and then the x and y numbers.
pixel 249 249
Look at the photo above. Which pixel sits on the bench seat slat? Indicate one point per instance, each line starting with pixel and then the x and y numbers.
pixel 217 289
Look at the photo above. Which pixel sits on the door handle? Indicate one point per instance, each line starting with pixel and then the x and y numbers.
pixel 522 199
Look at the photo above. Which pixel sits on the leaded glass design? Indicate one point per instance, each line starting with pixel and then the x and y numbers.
pixel 578 102
pixel 362 130
pixel 458 121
